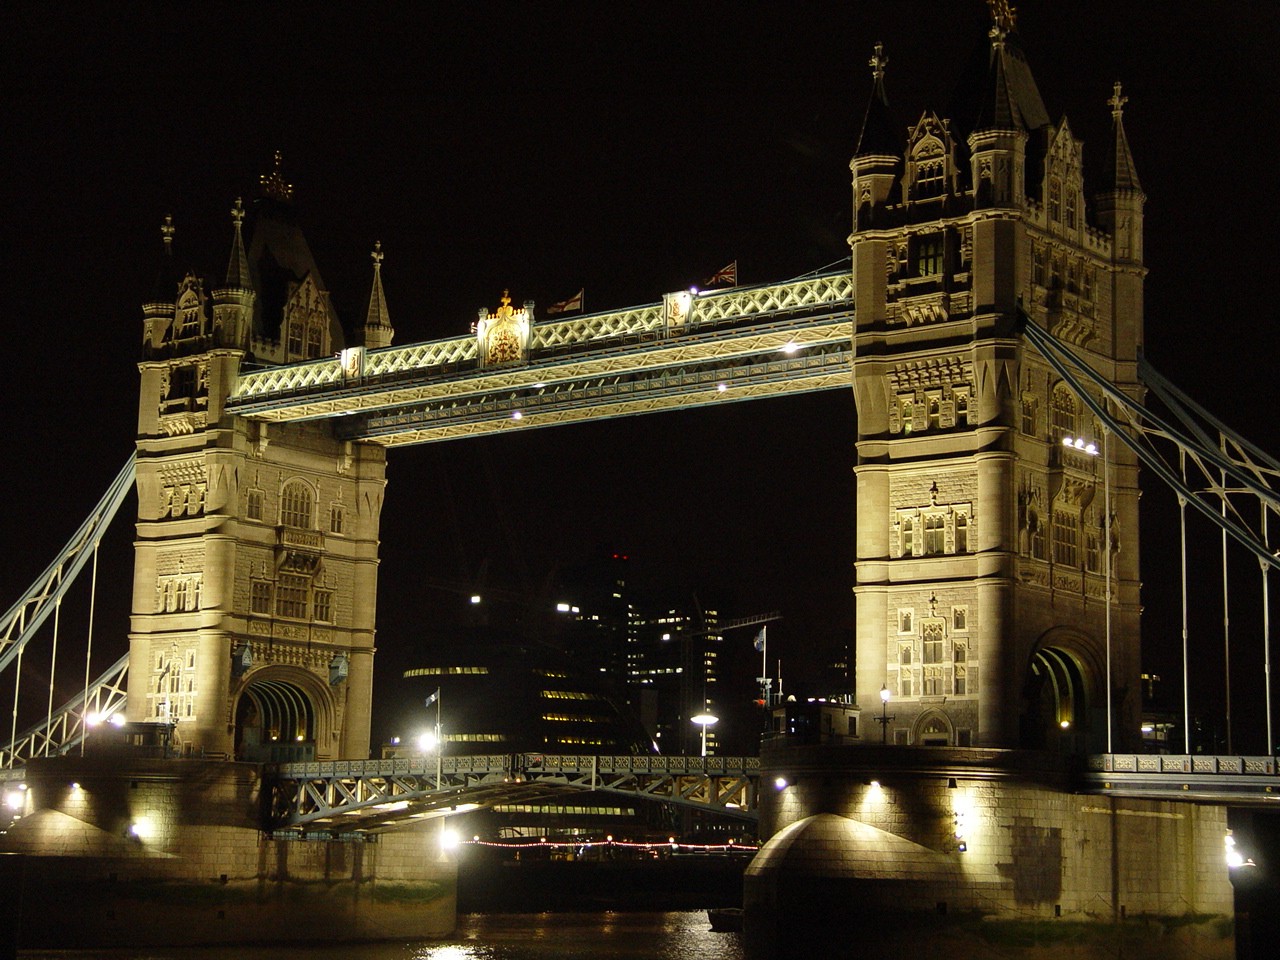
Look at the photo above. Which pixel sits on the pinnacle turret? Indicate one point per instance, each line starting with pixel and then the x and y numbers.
pixel 878 136
pixel 1119 172
pixel 377 330
pixel 238 267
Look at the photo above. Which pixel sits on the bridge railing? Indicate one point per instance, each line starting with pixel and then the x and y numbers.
pixel 1166 763
pixel 590 331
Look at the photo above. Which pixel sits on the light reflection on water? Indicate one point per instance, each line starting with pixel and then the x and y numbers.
pixel 515 936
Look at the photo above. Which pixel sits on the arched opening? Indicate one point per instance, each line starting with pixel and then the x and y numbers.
pixel 275 722
pixel 933 730
pixel 1056 713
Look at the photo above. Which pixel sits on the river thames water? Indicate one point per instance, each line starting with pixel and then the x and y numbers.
pixel 684 935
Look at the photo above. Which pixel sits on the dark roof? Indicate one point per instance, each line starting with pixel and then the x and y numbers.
pixel 1118 170
pixel 879 134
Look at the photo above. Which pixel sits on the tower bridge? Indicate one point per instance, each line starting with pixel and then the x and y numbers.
pixel 991 328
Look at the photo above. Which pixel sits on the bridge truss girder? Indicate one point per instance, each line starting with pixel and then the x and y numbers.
pixel 66 729
pixel 345 797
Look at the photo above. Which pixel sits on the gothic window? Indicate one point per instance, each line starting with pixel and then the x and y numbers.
pixel 253 506
pixel 260 597
pixel 313 337
pixel 962 533
pixel 908 415
pixel 959 619
pixel 1071 209
pixel 1055 199
pixel 337 518
pixel 931 645
pixel 930 177
pixel 959 653
pixel 1065 534
pixel 291 597
pixel 929 255
pixel 1073 284
pixel 905 687
pixel 908 537
pixel 181 595
pixel 961 681
pixel 1087 283
pixel 962 407
pixel 1092 550
pixel 934 534
pixel 295 505
pixel 1063 410
pixel 1037 265
pixel 1029 412
pixel 904 654
pixel 905 618
pixel 932 686
pixel 322 604
pixel 934 400
pixel 1036 531
pixel 295 336
pixel 1055 271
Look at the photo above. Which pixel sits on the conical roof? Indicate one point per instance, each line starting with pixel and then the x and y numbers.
pixel 879 135
pixel 1118 170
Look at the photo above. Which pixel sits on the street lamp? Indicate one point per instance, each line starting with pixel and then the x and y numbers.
pixel 1092 450
pixel 885 716
pixel 704 720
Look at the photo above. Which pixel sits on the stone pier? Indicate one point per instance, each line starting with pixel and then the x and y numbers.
pixel 872 851
pixel 172 852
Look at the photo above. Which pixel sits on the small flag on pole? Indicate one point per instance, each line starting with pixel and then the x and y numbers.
pixel 759 641
pixel 728 274
pixel 573 303
pixel 433 698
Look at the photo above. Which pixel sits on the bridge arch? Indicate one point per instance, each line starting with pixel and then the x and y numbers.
pixel 1062 693
pixel 283 713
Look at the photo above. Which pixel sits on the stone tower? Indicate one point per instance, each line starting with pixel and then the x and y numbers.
pixel 982 567
pixel 255 576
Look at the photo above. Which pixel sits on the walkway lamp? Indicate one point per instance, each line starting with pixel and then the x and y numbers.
pixel 704 720
pixel 885 715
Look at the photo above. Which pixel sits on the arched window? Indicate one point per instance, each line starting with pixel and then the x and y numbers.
pixel 934 535
pixel 1063 407
pixel 962 533
pixel 908 537
pixel 296 505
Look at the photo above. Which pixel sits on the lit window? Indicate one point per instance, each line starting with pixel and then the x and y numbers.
pixel 962 533
pixel 929 255
pixel 960 619
pixel 934 535
pixel 322 604
pixel 961 681
pixel 1065 534
pixel 291 597
pixel 907 535
pixel 295 505
pixel 931 644
pixel 253 509
pixel 337 518
pixel 1063 408
pixel 932 686
pixel 1029 416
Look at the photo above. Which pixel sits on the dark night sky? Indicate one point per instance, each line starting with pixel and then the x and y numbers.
pixel 626 148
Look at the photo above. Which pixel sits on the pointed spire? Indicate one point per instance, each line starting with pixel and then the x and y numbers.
pixel 1119 171
pixel 1010 99
pixel 878 135
pixel 377 329
pixel 238 267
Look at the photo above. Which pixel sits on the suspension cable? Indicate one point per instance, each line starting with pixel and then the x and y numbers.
pixel 53 669
pixel 88 653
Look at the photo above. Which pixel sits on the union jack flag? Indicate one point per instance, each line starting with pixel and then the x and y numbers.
pixel 727 275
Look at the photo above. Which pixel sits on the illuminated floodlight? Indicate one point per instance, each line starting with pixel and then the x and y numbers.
pixel 142 828
pixel 721 387
pixel 117 720
pixel 428 741
pixel 517 415
pixel 790 347
pixel 693 291
pixel 562 608
pixel 13 800
pixel 475 598
pixel 93 719
pixel 1065 724
pixel 449 839
pixel 780 783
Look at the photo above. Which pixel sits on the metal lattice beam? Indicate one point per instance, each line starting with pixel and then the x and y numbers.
pixel 26 616
pixel 66 729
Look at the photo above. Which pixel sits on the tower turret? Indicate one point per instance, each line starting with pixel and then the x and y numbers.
pixel 376 331
pixel 997 146
pixel 157 312
pixel 875 159
pixel 1120 205
pixel 233 302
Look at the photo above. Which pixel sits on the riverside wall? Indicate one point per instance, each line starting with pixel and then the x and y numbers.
pixel 960 851
pixel 123 852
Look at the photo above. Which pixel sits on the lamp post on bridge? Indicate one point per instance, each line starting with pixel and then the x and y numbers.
pixel 885 715
pixel 704 720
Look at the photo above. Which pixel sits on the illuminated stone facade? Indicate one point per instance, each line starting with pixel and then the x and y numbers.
pixel 981 568
pixel 256 557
